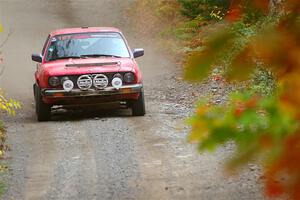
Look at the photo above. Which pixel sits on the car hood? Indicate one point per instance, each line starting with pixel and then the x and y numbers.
pixel 88 66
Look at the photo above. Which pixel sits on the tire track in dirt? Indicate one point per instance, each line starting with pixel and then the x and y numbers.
pixel 74 174
pixel 42 151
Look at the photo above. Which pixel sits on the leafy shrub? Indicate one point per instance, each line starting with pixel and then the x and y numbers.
pixel 204 8
pixel 263 82
pixel 8 106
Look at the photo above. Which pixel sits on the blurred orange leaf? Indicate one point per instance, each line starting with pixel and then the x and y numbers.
pixel 234 14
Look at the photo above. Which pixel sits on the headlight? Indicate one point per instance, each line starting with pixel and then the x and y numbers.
pixel 129 77
pixel 118 76
pixel 54 81
pixel 63 79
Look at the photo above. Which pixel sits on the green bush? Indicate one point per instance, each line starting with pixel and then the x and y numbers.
pixel 263 82
pixel 204 8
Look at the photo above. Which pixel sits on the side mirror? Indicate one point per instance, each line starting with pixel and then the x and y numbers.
pixel 37 58
pixel 138 53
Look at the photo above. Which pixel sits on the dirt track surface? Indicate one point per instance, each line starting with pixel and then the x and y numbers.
pixel 105 154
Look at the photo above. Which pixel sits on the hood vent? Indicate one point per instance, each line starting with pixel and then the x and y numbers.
pixel 93 64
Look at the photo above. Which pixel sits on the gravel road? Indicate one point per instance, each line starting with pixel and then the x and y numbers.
pixel 106 154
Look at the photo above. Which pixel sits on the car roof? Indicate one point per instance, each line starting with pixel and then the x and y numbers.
pixel 84 30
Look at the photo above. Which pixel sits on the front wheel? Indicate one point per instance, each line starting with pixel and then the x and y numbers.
pixel 138 106
pixel 43 111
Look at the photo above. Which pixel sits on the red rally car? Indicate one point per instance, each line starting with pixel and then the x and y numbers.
pixel 87 66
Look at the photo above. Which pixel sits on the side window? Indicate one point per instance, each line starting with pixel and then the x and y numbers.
pixel 45 45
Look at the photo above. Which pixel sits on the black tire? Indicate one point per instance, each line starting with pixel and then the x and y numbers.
pixel 43 111
pixel 138 106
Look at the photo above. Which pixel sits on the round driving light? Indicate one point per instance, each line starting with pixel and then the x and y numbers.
pixel 54 81
pixel 100 81
pixel 84 82
pixel 129 77
pixel 68 85
pixel 117 83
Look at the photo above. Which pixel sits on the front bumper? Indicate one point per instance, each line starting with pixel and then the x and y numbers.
pixel 61 93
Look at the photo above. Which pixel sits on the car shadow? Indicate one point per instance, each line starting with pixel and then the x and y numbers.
pixel 27 115
pixel 62 114
pixel 107 110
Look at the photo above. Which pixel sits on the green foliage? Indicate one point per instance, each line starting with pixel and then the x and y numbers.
pixel 263 82
pixel 9 105
pixel 233 55
pixel 2 188
pixel 198 64
pixel 250 121
pixel 251 16
pixel 204 8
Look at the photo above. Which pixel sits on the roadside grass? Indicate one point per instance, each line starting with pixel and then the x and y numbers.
pixel 8 106
pixel 3 177
pixel 2 188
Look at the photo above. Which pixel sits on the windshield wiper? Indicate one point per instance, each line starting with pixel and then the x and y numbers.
pixel 99 55
pixel 64 57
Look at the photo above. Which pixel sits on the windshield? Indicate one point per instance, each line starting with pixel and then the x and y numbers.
pixel 85 45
